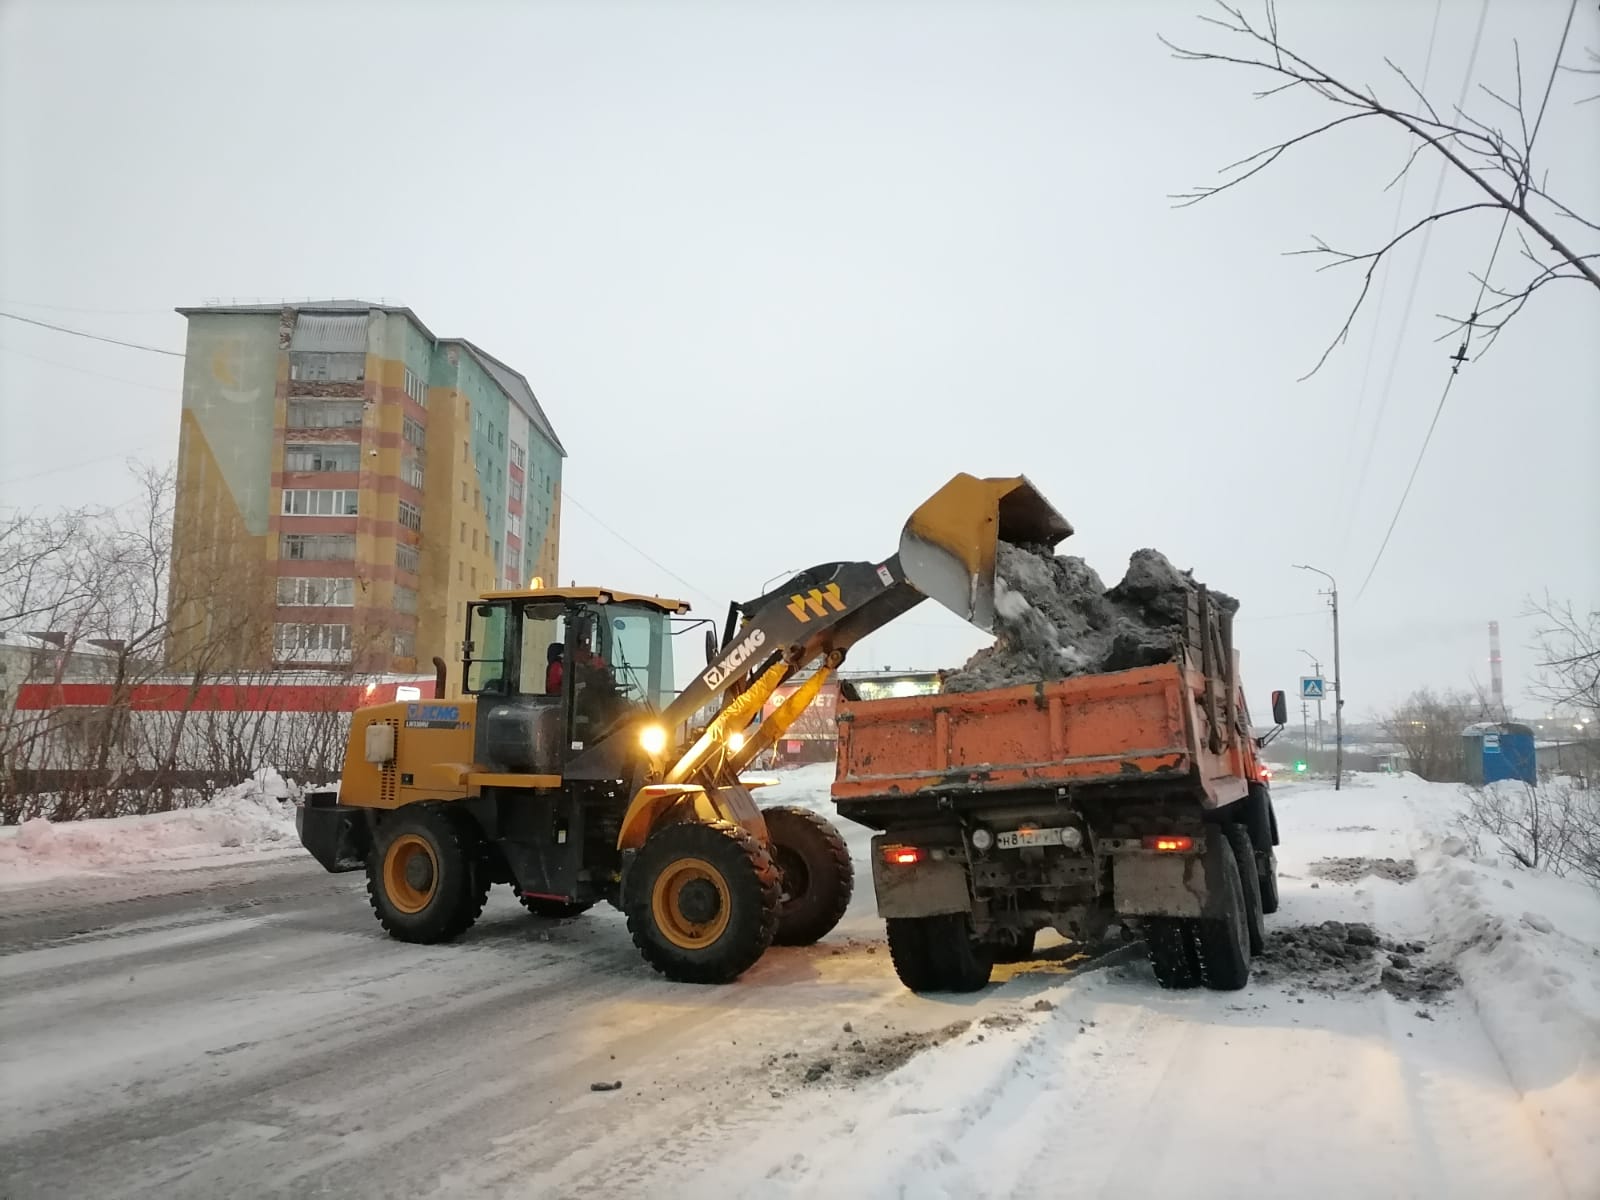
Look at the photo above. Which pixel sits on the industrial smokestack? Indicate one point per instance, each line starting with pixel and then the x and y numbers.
pixel 1497 687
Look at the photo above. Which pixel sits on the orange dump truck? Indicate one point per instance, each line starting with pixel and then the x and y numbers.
pixel 1134 797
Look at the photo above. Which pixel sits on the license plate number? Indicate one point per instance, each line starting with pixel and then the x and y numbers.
pixel 1016 839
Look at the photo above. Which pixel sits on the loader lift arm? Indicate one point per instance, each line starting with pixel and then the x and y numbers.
pixel 947 551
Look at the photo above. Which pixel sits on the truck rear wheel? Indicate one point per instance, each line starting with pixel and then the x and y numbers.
pixel 818 878
pixel 702 901
pixel 1224 941
pixel 1170 942
pixel 421 879
pixel 1239 839
pixel 938 954
pixel 1262 823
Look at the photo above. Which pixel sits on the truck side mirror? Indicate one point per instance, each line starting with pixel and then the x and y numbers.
pixel 711 647
pixel 1280 709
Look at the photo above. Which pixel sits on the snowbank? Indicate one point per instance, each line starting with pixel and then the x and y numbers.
pixel 248 820
pixel 1527 945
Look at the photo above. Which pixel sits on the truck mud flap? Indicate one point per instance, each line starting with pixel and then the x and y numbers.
pixel 1148 884
pixel 928 888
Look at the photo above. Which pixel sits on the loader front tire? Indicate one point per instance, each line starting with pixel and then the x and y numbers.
pixel 938 954
pixel 818 878
pixel 702 901
pixel 423 876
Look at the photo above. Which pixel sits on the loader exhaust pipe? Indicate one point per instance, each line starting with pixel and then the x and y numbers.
pixel 947 548
pixel 440 676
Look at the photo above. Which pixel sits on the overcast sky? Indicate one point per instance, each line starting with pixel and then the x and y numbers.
pixel 776 272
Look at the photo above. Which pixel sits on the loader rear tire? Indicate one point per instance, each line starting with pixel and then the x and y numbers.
pixel 423 876
pixel 702 901
pixel 543 906
pixel 1244 856
pixel 818 878
pixel 1224 941
pixel 939 954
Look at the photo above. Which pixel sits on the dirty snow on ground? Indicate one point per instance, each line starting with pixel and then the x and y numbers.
pixel 251 819
pixel 1328 1078
pixel 259 1027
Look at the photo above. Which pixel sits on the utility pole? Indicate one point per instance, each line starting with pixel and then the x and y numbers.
pixel 1338 690
pixel 1305 727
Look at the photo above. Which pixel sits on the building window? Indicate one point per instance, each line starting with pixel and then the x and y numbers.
pixel 406 558
pixel 495 550
pixel 516 490
pixel 322 456
pixel 463 491
pixel 416 388
pixel 411 517
pixel 474 576
pixel 500 440
pixel 324 414
pixel 519 457
pixel 317 592
pixel 405 599
pixel 327 367
pixel 411 472
pixel 463 533
pixel 308 642
pixel 413 432
pixel 405 643
pixel 319 502
pixel 461 571
pixel 317 547
pixel 474 539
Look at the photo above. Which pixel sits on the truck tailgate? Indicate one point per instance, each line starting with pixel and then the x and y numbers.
pixel 1120 727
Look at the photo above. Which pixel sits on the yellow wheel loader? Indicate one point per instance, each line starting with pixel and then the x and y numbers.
pixel 571 768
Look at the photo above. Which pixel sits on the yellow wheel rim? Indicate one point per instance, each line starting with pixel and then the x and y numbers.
pixel 694 885
pixel 410 873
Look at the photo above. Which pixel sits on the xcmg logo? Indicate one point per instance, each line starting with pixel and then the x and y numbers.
pixel 735 659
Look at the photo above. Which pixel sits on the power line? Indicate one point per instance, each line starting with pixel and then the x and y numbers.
pixel 73 466
pixel 94 337
pixel 567 495
pixel 154 387
pixel 1383 284
pixel 1411 295
pixel 99 312
pixel 1483 287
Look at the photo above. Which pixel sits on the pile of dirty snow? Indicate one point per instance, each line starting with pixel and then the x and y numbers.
pixel 250 819
pixel 1055 618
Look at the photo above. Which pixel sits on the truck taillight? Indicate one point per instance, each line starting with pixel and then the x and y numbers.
pixel 1265 772
pixel 902 856
pixel 1169 844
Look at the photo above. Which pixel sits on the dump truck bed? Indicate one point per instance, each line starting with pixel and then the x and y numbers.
pixel 1141 731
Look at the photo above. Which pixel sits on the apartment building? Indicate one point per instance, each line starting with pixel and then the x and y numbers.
pixel 347 482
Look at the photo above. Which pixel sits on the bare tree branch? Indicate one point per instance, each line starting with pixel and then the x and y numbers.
pixel 1498 164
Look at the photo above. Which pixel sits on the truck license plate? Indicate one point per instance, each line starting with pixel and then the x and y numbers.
pixel 1016 839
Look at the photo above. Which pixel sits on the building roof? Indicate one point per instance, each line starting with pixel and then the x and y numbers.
pixel 511 381
pixel 515 385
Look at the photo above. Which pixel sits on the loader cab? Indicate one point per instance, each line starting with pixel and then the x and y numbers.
pixel 557 673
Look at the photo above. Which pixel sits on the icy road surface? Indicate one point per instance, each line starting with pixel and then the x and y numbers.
pixel 247 1031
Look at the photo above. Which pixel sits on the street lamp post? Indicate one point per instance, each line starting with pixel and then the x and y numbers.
pixel 1338 690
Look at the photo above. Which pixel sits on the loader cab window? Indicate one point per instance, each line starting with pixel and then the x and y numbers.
pixel 640 652
pixel 543 660
pixel 486 654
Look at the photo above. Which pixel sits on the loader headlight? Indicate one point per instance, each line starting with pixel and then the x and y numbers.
pixel 735 741
pixel 982 839
pixel 654 739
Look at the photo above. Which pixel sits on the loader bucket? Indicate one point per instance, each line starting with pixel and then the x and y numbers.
pixel 947 548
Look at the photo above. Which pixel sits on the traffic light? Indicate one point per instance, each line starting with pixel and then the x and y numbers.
pixel 1299 766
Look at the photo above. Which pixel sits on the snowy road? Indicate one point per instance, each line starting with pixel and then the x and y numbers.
pixel 247 1031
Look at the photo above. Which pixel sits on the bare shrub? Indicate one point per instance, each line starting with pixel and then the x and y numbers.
pixel 1550 826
